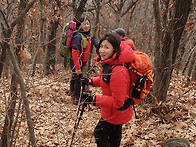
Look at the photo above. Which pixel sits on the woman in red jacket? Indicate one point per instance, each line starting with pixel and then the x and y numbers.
pixel 80 52
pixel 114 81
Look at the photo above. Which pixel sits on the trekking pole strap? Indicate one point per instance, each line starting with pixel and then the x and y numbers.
pixel 127 104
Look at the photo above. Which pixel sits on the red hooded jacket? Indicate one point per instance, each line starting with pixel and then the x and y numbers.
pixel 129 42
pixel 115 93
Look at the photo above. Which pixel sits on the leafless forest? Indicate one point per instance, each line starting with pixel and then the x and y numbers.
pixel 35 108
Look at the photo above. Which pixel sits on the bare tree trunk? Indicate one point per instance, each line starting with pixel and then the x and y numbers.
pixel 7 68
pixel 14 84
pixel 182 10
pixel 117 22
pixel 179 63
pixel 49 63
pixel 23 90
pixel 188 61
pixel 191 65
pixel 181 52
pixel 167 43
pixel 40 44
pixel 158 42
pixel 98 8
pixel 50 51
pixel 23 96
pixel 10 113
pixel 7 32
pixel 2 59
pixel 162 77
pixel 73 5
pixel 194 70
pixel 80 9
pixel 121 8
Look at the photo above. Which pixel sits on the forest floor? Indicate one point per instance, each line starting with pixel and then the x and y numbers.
pixel 54 114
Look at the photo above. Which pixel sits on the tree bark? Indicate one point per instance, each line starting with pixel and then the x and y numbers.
pixel 98 8
pixel 40 44
pixel 191 65
pixel 80 9
pixel 50 51
pixel 167 44
pixel 181 11
pixel 10 113
pixel 2 59
pixel 188 61
pixel 23 96
pixel 194 70
pixel 14 82
pixel 7 32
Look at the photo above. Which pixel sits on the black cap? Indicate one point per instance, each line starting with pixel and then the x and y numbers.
pixel 79 21
pixel 119 31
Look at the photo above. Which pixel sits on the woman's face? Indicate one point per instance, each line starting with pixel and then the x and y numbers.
pixel 85 26
pixel 106 50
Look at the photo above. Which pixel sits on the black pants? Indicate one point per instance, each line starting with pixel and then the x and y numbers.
pixel 75 83
pixel 107 135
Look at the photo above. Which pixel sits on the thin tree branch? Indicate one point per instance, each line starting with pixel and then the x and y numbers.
pixel 3 18
pixel 23 13
pixel 133 4
pixel 23 96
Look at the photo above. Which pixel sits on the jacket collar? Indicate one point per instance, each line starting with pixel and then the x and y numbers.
pixel 125 56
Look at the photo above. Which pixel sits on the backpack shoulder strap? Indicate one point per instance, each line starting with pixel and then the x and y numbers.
pixel 81 35
pixel 107 69
pixel 65 26
pixel 84 40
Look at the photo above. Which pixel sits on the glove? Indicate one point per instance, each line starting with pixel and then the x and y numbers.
pixel 86 81
pixel 88 98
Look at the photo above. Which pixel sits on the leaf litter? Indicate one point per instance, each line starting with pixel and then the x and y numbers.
pixel 54 115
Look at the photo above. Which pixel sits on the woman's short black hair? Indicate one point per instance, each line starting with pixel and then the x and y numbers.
pixel 79 22
pixel 115 42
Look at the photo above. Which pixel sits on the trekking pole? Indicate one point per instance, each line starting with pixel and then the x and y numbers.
pixel 80 116
pixel 135 111
pixel 133 104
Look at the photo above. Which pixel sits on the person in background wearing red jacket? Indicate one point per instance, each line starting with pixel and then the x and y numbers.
pixel 80 54
pixel 121 34
pixel 114 81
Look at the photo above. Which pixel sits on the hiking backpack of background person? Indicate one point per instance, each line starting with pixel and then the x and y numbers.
pixel 66 40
